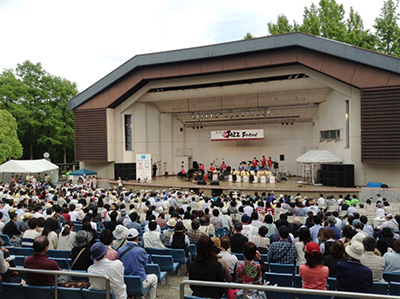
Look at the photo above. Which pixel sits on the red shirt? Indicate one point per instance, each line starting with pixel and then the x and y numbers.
pixel 42 262
pixel 264 162
pixel 66 216
pixel 255 163
pixel 269 163
pixel 314 278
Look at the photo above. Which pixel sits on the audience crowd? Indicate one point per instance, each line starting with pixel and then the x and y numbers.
pixel 327 237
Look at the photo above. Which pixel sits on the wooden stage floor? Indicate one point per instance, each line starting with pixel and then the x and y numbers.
pixel 284 187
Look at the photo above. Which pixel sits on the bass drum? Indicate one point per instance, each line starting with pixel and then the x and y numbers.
pixel 221 177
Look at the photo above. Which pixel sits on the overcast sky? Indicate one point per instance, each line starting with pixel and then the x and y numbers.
pixel 84 40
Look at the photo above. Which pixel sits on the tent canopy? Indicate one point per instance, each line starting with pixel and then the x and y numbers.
pixel 27 166
pixel 83 171
pixel 319 156
pixel 22 167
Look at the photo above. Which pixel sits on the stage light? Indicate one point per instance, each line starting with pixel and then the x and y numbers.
pixel 257 113
pixel 292 124
pixel 202 115
pixel 263 112
pixel 283 124
pixel 243 114
pixel 206 115
pixel 192 116
pixel 269 112
pixel 248 113
pixel 194 128
pixel 287 124
pixel 201 127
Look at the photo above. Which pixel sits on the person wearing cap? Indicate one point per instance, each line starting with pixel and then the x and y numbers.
pixel 168 232
pixel 313 273
pixel 226 219
pixel 120 237
pixel 248 230
pixel 39 260
pixel 237 239
pixel 103 266
pixel 134 258
pixel 352 276
pixel 80 254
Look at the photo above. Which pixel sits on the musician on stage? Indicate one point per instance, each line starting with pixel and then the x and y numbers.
pixel 255 163
pixel 269 163
pixel 223 167
pixel 241 167
pixel 263 162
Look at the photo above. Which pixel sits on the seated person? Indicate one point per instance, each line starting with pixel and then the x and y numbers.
pixel 39 260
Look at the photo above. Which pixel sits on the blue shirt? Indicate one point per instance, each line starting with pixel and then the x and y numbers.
pixel 352 276
pixel 133 260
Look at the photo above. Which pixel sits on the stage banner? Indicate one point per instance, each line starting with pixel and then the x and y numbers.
pixel 143 167
pixel 251 134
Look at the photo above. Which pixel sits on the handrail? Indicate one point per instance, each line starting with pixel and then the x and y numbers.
pixel 70 273
pixel 279 289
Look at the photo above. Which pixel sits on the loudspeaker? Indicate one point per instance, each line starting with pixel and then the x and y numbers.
pixel 276 165
pixel 214 183
pixel 127 171
pixel 195 165
pixel 281 157
pixel 338 175
pixel 201 182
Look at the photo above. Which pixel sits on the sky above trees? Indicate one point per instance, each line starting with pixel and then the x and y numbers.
pixel 83 41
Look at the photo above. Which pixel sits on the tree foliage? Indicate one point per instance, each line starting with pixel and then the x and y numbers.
pixel 387 29
pixel 328 20
pixel 248 36
pixel 38 102
pixel 10 147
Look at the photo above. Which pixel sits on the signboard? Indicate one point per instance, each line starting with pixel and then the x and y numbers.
pixel 227 135
pixel 143 167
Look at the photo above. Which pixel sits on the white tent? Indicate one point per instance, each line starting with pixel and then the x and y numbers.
pixel 24 167
pixel 313 157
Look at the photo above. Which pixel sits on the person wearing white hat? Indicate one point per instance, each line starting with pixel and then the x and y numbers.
pixel 352 276
pixel 134 258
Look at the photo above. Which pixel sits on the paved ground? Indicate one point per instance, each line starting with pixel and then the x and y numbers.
pixel 172 289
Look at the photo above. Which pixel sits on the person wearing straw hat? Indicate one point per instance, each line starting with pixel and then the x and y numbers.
pixel 81 251
pixel 113 269
pixel 352 276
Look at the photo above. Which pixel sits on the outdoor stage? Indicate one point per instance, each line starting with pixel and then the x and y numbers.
pixel 284 187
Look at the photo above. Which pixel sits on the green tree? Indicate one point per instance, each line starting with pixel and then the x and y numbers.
pixel 387 29
pixel 282 26
pixel 38 101
pixel 10 147
pixel 328 20
pixel 356 34
pixel 248 36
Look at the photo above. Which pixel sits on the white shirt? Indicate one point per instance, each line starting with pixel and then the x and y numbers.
pixel 230 259
pixel 115 272
pixel 248 210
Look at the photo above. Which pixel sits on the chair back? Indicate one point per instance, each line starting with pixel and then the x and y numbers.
pixel 26 251
pixel 12 290
pixel 280 279
pixel 379 288
pixel 92 294
pixel 282 268
pixel 394 288
pixel 157 251
pixel 178 255
pixel 134 286
pixel 165 262
pixel 59 253
pixel 41 292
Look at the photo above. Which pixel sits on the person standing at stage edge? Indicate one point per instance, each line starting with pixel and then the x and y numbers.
pixel 154 170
